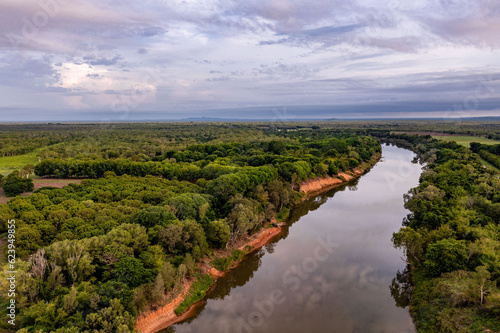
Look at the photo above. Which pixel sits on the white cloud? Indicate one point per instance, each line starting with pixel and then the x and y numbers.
pixel 228 53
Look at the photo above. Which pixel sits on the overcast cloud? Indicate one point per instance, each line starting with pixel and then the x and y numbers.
pixel 120 59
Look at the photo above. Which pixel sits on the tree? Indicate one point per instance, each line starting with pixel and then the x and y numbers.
pixel 446 255
pixel 155 215
pixel 15 184
pixel 40 201
pixel 218 233
pixel 158 289
pixel 170 236
pixel 483 282
pixel 132 272
pixel 411 241
pixel 28 239
pixel 243 217
pixel 187 205
pixel 28 170
pixel 6 214
pixel 184 237
pixel 168 274
pixel 279 194
pixel 73 257
pixel 70 302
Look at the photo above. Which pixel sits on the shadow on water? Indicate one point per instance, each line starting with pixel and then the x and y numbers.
pixel 359 285
pixel 401 288
pixel 244 272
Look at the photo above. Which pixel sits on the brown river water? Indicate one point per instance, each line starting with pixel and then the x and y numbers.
pixel 332 269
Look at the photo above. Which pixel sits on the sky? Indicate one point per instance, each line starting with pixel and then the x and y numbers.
pixel 121 60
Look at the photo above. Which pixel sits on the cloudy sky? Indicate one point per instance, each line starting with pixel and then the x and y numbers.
pixel 171 59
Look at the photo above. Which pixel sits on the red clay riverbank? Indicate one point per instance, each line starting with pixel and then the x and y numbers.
pixel 321 184
pixel 165 316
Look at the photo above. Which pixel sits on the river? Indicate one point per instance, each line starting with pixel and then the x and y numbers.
pixel 331 268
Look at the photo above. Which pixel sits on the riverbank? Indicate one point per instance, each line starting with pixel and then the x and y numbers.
pixel 165 316
pixel 318 185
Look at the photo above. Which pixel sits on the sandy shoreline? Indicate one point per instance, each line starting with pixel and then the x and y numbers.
pixel 165 316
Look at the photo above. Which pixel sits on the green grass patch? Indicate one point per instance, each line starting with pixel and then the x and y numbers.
pixel 11 163
pixel 489 165
pixel 197 292
pixel 466 140
pixel 223 264
pixel 237 255
pixel 283 214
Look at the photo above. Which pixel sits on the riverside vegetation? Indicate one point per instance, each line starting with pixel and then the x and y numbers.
pixel 156 201
pixel 451 239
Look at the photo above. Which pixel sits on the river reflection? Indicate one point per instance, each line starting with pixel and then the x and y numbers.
pixel 331 270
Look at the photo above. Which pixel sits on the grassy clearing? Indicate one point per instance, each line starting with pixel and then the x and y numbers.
pixel 197 291
pixel 224 263
pixel 466 140
pixel 11 163
pixel 489 165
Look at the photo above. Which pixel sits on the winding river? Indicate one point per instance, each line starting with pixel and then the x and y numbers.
pixel 332 269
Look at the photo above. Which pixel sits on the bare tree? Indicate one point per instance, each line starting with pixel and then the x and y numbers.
pixel 38 263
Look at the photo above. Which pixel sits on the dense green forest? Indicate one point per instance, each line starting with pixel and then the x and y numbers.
pixel 152 204
pixel 158 200
pixel 451 239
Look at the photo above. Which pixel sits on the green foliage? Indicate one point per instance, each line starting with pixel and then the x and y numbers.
pixel 444 256
pixel 218 233
pixel 6 214
pixel 155 199
pixel 197 292
pixel 244 216
pixel 491 158
pixel 451 239
pixel 15 184
pixel 153 216
pixel 222 263
pixel 131 272
pixel 283 214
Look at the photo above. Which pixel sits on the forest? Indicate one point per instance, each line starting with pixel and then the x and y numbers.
pixel 151 206
pixel 451 239
pixel 158 200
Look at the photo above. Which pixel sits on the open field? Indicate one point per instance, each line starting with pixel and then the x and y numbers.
pixel 11 163
pixel 42 182
pixel 465 140
pixel 489 165
pixel 59 183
